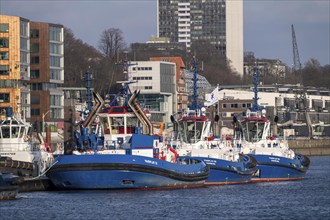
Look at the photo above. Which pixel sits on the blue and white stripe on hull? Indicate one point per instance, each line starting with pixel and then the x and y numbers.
pixel 124 172
pixel 276 168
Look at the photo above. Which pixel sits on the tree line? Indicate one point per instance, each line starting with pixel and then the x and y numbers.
pixel 104 63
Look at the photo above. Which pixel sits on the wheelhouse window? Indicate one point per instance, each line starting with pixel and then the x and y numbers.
pixel 253 131
pixel 191 131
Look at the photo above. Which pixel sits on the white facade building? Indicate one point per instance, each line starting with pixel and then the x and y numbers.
pixel 234 34
pixel 184 23
pixel 275 99
pixel 156 82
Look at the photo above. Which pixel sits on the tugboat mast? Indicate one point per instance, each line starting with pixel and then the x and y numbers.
pixel 194 105
pixel 255 76
pixel 88 87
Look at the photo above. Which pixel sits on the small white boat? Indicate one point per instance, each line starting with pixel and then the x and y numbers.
pixel 16 144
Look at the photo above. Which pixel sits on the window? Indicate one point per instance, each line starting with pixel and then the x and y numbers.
pixel 35 99
pixel 55 48
pixel 55 74
pixel 34 47
pixel 24 28
pixel 55 61
pixel 8 83
pixel 35 112
pixel 4 97
pixel 34 74
pixel 56 113
pixel 4 70
pixel 4 55
pixel 55 34
pixel 36 86
pixel 34 33
pixel 35 60
pixel 4 28
pixel 56 100
pixel 224 105
pixel 4 42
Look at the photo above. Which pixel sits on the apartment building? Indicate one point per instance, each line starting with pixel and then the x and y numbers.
pixel 31 68
pixel 46 73
pixel 14 64
pixel 219 21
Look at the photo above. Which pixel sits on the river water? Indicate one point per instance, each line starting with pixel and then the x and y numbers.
pixel 304 199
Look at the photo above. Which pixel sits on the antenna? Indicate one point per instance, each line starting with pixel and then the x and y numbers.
pixel 255 76
pixel 88 87
pixel 194 104
pixel 296 59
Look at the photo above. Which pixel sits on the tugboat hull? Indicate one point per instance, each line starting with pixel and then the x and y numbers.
pixel 224 172
pixel 275 168
pixel 124 172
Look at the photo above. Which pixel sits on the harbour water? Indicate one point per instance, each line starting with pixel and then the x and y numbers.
pixel 305 199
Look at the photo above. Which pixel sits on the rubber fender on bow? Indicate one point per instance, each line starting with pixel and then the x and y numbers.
pixel 305 161
pixel 245 158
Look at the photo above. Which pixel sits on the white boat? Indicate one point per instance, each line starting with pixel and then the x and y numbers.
pixel 16 144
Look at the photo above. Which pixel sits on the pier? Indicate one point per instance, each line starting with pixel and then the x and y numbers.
pixel 311 147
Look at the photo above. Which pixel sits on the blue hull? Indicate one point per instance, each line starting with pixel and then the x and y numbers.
pixel 124 172
pixel 223 172
pixel 275 168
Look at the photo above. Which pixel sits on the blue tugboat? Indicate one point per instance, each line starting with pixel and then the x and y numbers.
pixel 195 140
pixel 257 136
pixel 139 163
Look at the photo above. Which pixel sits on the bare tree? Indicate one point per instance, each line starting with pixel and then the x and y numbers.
pixel 111 43
pixel 78 57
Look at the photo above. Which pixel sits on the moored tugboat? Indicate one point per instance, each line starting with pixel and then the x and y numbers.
pixel 257 136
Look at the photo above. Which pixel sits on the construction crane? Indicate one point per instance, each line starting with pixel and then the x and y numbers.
pixel 296 59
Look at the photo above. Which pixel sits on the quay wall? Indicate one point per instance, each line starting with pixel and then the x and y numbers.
pixel 319 147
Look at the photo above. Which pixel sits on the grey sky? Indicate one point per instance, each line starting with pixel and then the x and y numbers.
pixel 267 23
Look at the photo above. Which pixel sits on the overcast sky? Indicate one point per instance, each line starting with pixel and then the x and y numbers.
pixel 267 23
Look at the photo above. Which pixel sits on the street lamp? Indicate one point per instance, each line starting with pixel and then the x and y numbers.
pixel 43 122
